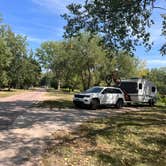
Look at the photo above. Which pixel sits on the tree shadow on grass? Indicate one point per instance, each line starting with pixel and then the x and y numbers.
pixel 19 127
pixel 56 104
pixel 125 139
pixel 20 115
pixel 104 157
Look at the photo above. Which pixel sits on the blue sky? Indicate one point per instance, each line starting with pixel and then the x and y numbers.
pixel 40 21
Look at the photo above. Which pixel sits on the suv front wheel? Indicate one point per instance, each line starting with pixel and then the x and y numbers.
pixel 95 104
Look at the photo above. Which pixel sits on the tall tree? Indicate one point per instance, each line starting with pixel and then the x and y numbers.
pixel 5 56
pixel 158 76
pixel 30 72
pixel 18 49
pixel 52 57
pixel 126 65
pixel 73 62
pixel 17 67
pixel 87 59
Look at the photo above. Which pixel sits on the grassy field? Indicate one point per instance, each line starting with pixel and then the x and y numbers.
pixel 130 139
pixel 56 99
pixel 6 93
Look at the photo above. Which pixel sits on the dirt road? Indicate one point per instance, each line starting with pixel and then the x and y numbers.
pixel 25 129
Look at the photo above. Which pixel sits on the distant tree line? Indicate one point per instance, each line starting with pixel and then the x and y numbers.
pixel 75 63
pixel 83 59
pixel 18 67
pixel 80 63
pixel 158 76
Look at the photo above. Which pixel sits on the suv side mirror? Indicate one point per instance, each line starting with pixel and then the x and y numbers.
pixel 104 92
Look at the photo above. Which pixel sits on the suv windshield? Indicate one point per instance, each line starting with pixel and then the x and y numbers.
pixel 94 90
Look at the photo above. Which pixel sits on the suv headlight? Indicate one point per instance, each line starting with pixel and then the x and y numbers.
pixel 86 96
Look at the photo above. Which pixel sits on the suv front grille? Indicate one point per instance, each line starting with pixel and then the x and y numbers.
pixel 81 96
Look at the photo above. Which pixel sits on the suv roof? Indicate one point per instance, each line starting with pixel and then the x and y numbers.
pixel 107 87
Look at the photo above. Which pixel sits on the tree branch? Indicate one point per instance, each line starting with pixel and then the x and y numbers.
pixel 158 7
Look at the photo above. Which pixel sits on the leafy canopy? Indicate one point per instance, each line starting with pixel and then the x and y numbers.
pixel 123 24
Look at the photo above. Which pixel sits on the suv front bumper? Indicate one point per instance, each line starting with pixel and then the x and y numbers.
pixel 82 101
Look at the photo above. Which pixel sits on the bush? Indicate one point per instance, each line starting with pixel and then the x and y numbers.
pixel 161 99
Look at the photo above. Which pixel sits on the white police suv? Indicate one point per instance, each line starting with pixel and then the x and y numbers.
pixel 97 96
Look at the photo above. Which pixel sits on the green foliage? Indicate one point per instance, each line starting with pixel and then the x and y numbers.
pixel 18 67
pixel 5 57
pixel 126 65
pixel 161 101
pixel 53 57
pixel 72 62
pixel 48 80
pixel 79 63
pixel 87 59
pixel 158 76
pixel 122 24
pixel 134 138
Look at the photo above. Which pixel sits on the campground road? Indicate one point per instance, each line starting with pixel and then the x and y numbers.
pixel 15 143
pixel 24 128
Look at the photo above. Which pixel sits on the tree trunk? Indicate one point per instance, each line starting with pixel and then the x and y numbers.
pixel 59 85
pixel 9 88
pixel 89 78
pixel 83 81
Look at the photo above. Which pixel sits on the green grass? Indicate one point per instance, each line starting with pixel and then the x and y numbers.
pixel 161 100
pixel 130 139
pixel 56 99
pixel 6 93
pixel 58 103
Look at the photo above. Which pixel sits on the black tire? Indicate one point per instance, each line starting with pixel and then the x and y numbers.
pixel 151 102
pixel 128 104
pixel 76 105
pixel 95 104
pixel 119 104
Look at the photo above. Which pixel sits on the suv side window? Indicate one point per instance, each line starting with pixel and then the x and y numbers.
pixel 105 91
pixel 111 90
pixel 116 91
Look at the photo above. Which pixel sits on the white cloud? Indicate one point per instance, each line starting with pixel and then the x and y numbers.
pixel 157 62
pixel 55 6
pixel 32 38
pixel 35 39
pixel 156 36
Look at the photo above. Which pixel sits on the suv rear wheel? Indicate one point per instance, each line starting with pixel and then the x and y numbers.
pixel 95 104
pixel 119 103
